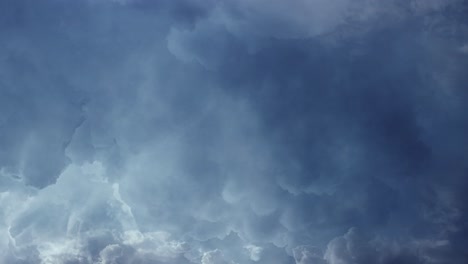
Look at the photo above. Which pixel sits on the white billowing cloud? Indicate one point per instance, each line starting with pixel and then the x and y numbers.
pixel 135 246
pixel 62 251
pixel 140 155
pixel 53 219
pixel 353 247
pixel 255 252
pixel 350 248
pixel 158 243
pixel 308 255
pixel 214 257
pixel 60 225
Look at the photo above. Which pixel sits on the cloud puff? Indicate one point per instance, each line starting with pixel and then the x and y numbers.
pixel 354 247
pixel 213 257
pixel 255 252
pixel 308 255
pixel 232 132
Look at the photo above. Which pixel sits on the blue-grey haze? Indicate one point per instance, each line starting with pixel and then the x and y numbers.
pixel 234 131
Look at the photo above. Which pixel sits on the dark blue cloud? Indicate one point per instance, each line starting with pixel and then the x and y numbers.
pixel 210 132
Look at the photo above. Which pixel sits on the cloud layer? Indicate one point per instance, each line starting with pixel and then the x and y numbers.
pixel 212 132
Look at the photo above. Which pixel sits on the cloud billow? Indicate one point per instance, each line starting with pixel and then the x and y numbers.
pixel 217 132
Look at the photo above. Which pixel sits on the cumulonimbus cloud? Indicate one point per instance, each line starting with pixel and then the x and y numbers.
pixel 232 131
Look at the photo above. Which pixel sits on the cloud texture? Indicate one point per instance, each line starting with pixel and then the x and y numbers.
pixel 213 132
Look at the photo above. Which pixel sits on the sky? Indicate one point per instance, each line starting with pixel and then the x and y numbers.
pixel 233 131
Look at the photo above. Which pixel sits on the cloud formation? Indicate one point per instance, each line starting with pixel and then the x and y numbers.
pixel 325 132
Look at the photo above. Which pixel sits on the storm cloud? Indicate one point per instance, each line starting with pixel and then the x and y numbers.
pixel 216 131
